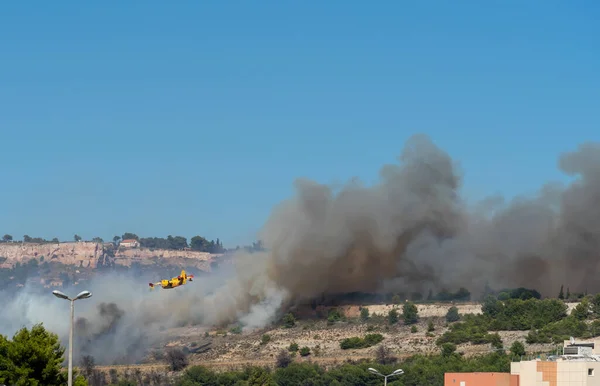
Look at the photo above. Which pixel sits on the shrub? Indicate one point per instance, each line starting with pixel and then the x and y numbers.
pixel 393 316
pixel 517 314
pixel 334 315
pixel 356 342
pixel 384 355
pixel 304 351
pixel 546 319
pixel 559 331
pixel 448 349
pixel 430 326
pixel 289 320
pixel 266 338
pixel 176 359
pixel 419 370
pixel 283 359
pixel 410 313
pixel 517 349
pixel 293 347
pixel 364 314
pixel 452 315
pixel 474 329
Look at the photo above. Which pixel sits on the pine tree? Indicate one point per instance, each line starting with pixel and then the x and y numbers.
pixel 568 294
pixel 561 294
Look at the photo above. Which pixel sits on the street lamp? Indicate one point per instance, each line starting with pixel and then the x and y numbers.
pixel 385 377
pixel 81 295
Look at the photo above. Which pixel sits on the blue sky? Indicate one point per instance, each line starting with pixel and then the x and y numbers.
pixel 196 117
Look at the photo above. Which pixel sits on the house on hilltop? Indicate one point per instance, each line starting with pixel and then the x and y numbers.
pixel 129 243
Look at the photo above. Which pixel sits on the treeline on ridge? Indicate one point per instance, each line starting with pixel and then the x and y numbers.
pixel 547 320
pixel 444 295
pixel 196 243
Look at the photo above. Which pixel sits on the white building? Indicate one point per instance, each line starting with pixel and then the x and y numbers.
pixel 129 243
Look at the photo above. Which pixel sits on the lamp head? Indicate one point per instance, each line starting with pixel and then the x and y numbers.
pixel 83 295
pixel 372 370
pixel 59 294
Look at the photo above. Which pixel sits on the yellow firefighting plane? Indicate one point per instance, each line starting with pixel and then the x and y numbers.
pixel 182 279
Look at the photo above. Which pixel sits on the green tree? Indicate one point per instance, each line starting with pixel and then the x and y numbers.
pixel 33 357
pixel 79 380
pixel 198 375
pixel 517 349
pixel 462 295
pixel 7 238
pixel 410 313
pixel 260 377
pixel 289 320
pixel 334 315
pixel 393 316
pixel 561 294
pixel 496 341
pixel 448 349
pixel 129 236
pixel 491 306
pixel 595 305
pixel 364 314
pixel 77 238
pixel 430 326
pixel 452 315
pixel 582 310
pixel 568 295
pixel 299 374
pixel 199 243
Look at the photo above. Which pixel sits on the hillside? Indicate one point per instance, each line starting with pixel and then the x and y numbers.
pixel 92 255
pixel 231 348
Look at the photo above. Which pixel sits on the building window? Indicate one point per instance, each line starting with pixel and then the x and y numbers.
pixel 591 372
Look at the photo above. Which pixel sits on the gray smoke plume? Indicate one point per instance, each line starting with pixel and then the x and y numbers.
pixel 413 232
pixel 410 232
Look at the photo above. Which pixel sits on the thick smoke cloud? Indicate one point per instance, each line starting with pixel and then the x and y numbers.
pixel 414 232
pixel 410 232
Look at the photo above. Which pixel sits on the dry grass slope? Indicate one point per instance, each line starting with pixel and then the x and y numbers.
pixel 230 350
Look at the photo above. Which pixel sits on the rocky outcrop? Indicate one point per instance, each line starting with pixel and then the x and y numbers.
pixel 91 254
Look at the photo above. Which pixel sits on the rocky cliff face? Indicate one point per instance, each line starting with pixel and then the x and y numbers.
pixel 91 254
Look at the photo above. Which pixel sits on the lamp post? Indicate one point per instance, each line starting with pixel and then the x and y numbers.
pixel 385 377
pixel 81 295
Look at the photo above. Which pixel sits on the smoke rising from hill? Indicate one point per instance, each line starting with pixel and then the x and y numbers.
pixel 413 231
pixel 410 232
